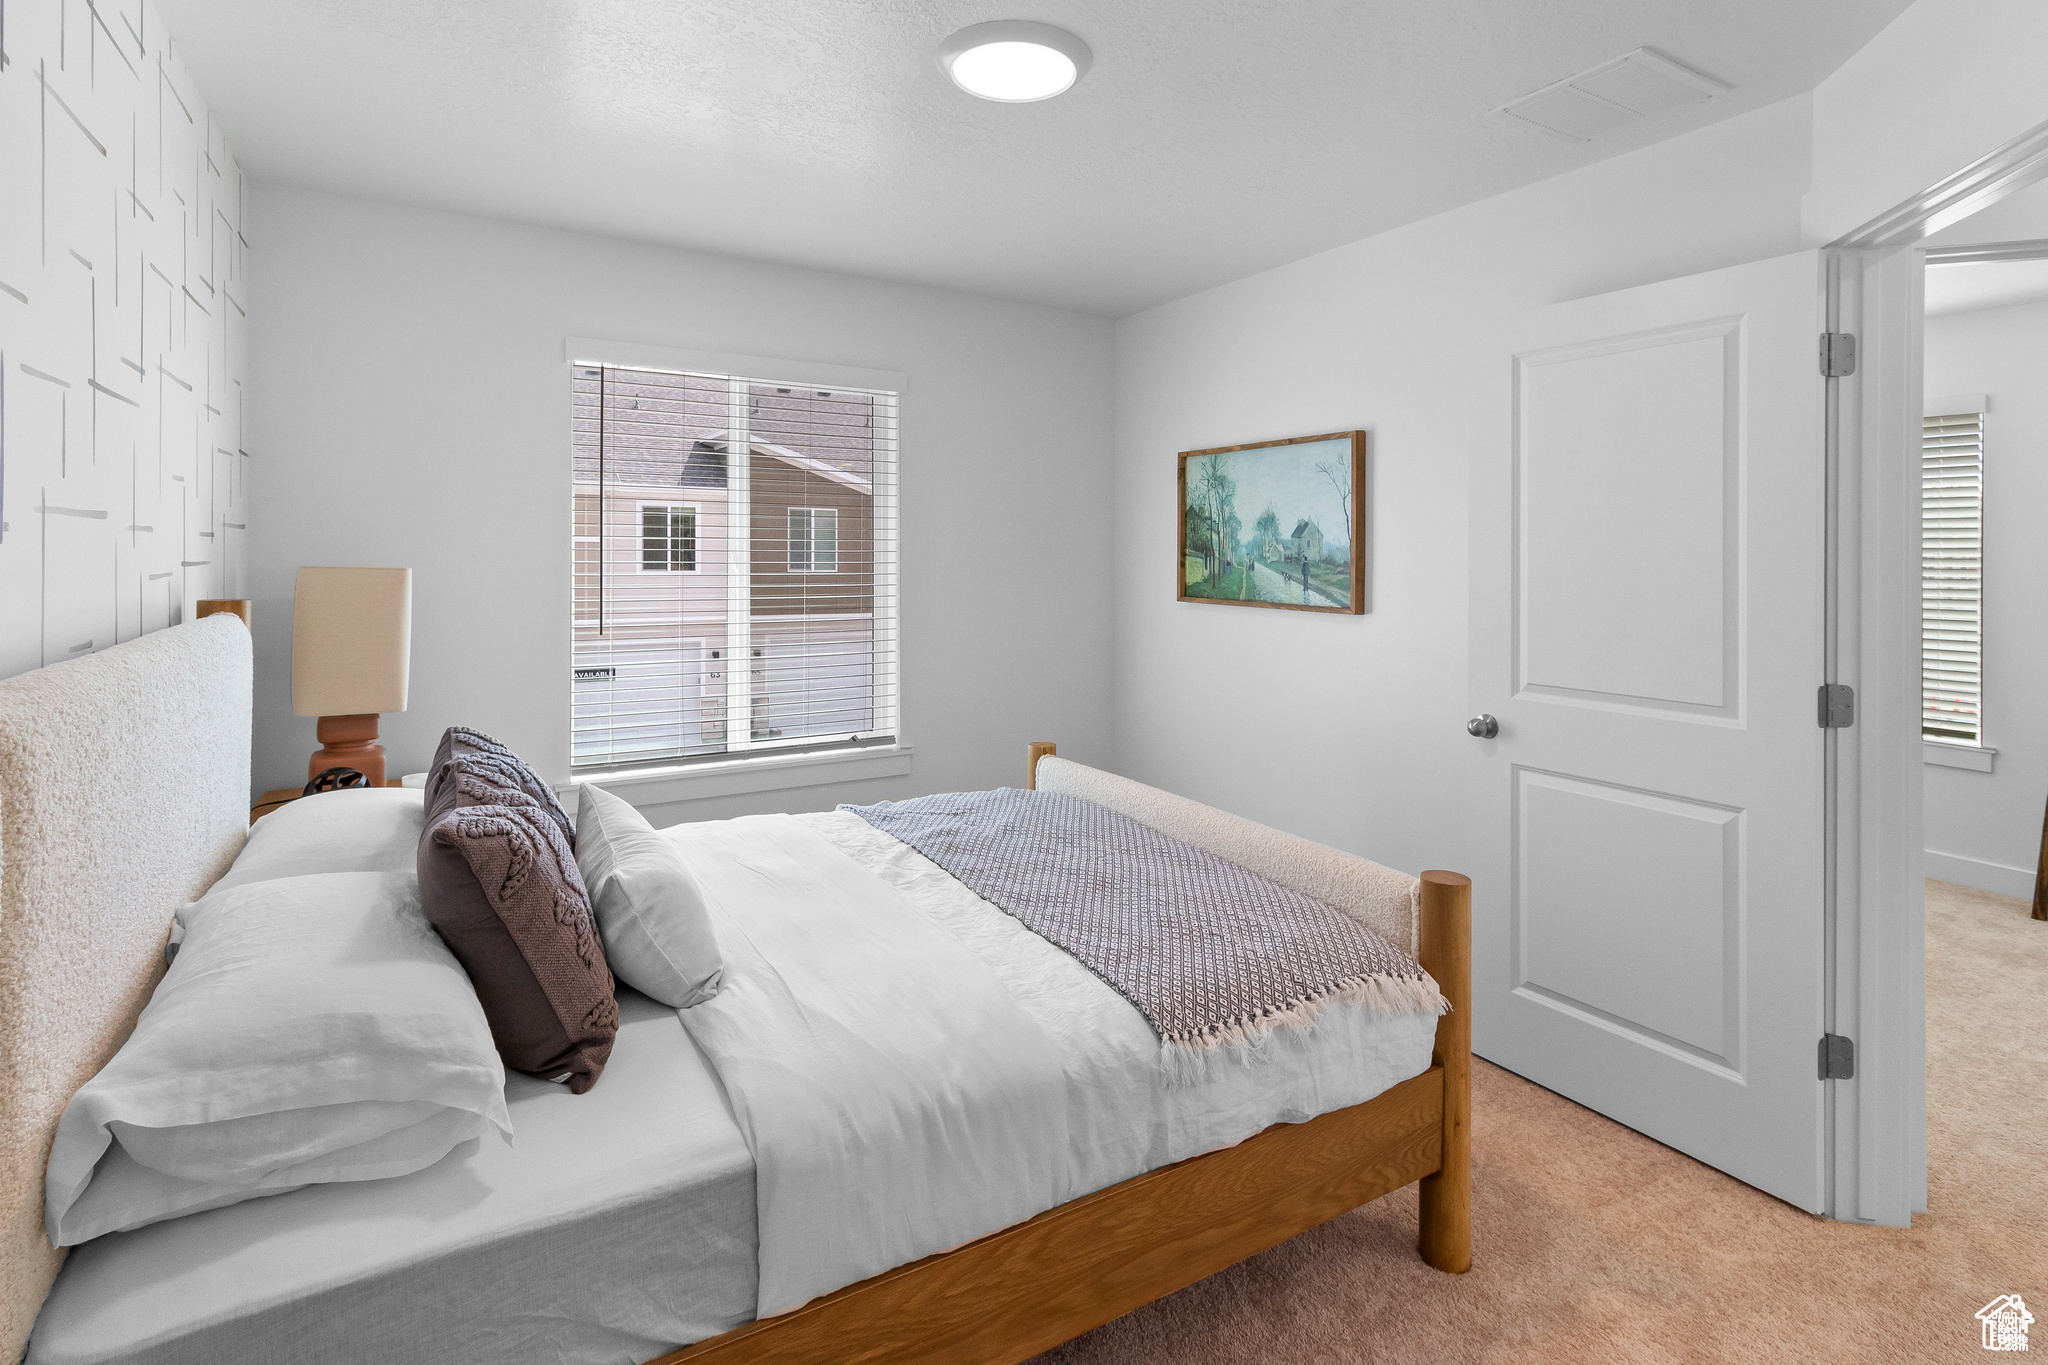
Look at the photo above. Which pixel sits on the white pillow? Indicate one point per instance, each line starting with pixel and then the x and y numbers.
pixel 357 829
pixel 310 1029
pixel 650 913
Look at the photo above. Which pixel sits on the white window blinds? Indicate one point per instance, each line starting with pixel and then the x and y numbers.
pixel 1952 577
pixel 723 518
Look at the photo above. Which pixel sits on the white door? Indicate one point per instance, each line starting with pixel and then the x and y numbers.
pixel 1647 616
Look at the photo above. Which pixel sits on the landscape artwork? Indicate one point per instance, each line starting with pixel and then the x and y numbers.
pixel 1276 524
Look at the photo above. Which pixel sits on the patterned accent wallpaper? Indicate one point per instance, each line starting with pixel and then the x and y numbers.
pixel 123 334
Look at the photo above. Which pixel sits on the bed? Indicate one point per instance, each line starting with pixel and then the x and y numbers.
pixel 456 1262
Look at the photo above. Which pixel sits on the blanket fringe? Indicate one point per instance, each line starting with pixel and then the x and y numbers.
pixel 1245 1040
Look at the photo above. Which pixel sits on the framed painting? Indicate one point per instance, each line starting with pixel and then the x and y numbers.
pixel 1275 524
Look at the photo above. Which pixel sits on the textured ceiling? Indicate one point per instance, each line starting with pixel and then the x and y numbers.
pixel 1212 138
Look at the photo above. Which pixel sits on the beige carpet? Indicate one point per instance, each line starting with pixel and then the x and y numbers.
pixel 1594 1243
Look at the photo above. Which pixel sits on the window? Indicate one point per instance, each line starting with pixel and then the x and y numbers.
pixel 1952 577
pixel 813 540
pixel 706 508
pixel 668 539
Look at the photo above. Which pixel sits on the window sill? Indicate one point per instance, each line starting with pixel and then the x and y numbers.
pixel 1975 757
pixel 739 777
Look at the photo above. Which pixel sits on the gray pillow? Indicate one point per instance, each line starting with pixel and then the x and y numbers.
pixel 650 913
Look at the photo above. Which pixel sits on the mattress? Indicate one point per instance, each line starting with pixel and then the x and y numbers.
pixel 617 1225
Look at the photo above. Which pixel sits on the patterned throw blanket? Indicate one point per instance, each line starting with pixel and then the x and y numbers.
pixel 1211 954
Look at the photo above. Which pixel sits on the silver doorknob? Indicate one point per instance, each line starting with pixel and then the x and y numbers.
pixel 1482 727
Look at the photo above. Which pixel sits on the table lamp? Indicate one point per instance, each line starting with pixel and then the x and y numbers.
pixel 351 653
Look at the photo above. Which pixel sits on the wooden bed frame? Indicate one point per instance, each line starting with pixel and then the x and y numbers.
pixel 1028 1288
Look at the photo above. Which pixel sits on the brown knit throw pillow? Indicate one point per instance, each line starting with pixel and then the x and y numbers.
pixel 490 769
pixel 498 881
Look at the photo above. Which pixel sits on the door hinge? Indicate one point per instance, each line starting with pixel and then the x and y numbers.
pixel 1837 354
pixel 1837 706
pixel 1837 1058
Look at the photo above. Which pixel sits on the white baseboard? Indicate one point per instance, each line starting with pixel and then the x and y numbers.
pixel 1996 878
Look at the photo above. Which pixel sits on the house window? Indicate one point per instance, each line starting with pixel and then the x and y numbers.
pixel 813 540
pixel 735 567
pixel 1952 577
pixel 668 539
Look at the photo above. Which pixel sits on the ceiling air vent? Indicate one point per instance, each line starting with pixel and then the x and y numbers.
pixel 1632 86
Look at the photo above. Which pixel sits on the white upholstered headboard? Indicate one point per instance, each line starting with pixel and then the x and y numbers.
pixel 124 793
pixel 1384 900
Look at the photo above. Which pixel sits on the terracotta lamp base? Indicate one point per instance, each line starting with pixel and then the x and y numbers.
pixel 348 742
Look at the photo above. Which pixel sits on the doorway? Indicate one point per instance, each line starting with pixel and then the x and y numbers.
pixel 1984 476
pixel 1984 740
pixel 1878 439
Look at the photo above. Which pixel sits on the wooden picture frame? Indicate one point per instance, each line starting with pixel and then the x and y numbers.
pixel 1228 569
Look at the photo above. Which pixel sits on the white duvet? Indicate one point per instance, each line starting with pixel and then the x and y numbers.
pixel 912 1068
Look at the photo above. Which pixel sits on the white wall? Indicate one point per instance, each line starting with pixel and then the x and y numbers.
pixel 123 336
pixel 413 409
pixel 1984 829
pixel 1350 730
pixel 1945 83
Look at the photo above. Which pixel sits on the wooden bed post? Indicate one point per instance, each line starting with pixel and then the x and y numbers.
pixel 2041 875
pixel 1039 749
pixel 1446 1235
pixel 224 606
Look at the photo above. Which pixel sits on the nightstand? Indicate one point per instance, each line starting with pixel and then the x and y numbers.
pixel 278 796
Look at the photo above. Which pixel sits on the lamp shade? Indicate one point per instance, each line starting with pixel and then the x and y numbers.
pixel 351 641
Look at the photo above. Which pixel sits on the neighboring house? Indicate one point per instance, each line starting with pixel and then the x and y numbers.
pixel 1307 540
pixel 814 536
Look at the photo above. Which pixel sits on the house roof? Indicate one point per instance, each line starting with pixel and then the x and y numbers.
pixel 1304 526
pixel 670 430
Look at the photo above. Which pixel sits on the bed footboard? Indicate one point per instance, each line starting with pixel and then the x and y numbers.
pixel 1440 938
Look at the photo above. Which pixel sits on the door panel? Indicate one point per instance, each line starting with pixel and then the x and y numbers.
pixel 1662 968
pixel 1663 632
pixel 1647 627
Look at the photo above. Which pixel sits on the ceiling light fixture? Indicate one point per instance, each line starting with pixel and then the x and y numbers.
pixel 1014 61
